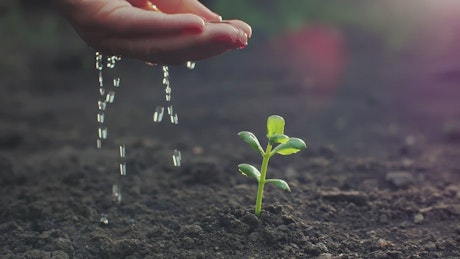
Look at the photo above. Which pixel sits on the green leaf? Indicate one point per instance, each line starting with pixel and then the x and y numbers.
pixel 252 140
pixel 279 183
pixel 278 139
pixel 275 125
pixel 249 170
pixel 293 146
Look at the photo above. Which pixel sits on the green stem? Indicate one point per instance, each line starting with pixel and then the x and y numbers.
pixel 263 174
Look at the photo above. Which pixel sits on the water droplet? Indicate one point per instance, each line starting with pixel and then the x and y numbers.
pixel 116 193
pixel 102 91
pixel 174 119
pixel 101 79
pixel 111 61
pixel 158 114
pixel 98 143
pixel 168 97
pixel 99 60
pixel 104 219
pixel 102 133
pixel 122 151
pixel 116 82
pixel 101 105
pixel 123 168
pixel 110 97
pixel 191 65
pixel 100 117
pixel 177 157
pixel 170 110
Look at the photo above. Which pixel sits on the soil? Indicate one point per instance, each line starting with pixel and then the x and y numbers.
pixel 380 177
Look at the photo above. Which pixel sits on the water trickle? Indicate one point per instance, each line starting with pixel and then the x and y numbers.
pixel 107 97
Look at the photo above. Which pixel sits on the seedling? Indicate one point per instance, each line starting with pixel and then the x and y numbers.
pixel 278 143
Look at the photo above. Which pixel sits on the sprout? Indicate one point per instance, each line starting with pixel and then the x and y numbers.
pixel 278 143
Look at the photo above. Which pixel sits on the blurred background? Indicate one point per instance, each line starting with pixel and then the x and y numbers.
pixel 354 70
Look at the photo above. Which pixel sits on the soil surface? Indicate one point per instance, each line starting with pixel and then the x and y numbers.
pixel 380 177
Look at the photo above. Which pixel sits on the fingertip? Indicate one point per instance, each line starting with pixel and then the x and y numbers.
pixel 241 25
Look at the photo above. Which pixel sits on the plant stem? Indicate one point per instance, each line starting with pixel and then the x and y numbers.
pixel 263 174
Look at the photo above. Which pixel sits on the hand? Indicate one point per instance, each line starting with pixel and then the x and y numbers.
pixel 156 31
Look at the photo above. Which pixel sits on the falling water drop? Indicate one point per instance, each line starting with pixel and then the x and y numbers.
pixel 99 60
pixel 101 105
pixel 104 219
pixel 100 117
pixel 191 65
pixel 170 109
pixel 122 151
pixel 110 97
pixel 158 114
pixel 102 133
pixel 116 82
pixel 98 143
pixel 174 118
pixel 116 193
pixel 123 168
pixel 101 79
pixel 176 158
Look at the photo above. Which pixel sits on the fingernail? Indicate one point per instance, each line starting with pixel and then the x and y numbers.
pixel 242 40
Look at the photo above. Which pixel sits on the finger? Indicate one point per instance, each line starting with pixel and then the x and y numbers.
pixel 186 6
pixel 240 25
pixel 215 39
pixel 131 21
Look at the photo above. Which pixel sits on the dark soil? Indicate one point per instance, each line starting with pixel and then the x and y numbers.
pixel 380 178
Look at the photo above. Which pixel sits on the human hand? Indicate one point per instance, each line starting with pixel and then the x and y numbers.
pixel 156 31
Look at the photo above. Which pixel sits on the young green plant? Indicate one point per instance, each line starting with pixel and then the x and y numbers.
pixel 278 143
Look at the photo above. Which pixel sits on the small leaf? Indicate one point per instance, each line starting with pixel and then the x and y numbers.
pixel 275 125
pixel 252 140
pixel 278 139
pixel 279 183
pixel 293 146
pixel 249 170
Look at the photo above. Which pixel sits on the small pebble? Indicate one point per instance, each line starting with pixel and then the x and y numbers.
pixel 418 218
pixel 400 178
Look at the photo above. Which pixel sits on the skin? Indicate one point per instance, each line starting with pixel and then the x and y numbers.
pixel 156 31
